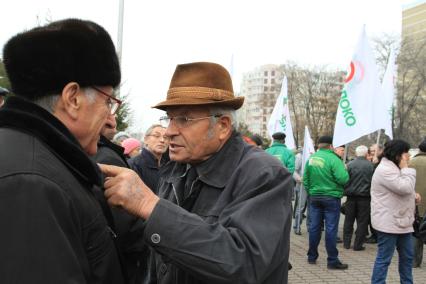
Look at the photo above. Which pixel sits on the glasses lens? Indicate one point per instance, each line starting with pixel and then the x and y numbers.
pixel 165 121
pixel 181 121
pixel 114 107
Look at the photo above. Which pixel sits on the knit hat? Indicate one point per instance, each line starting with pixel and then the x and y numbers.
pixel 130 144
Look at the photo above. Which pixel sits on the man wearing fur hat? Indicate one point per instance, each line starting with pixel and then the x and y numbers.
pixel 223 211
pixel 56 225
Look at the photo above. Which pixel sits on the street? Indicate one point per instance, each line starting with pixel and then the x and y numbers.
pixel 360 263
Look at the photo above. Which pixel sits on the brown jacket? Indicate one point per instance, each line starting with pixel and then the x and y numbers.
pixel 419 163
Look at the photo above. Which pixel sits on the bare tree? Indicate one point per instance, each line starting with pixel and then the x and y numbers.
pixel 314 94
pixel 410 85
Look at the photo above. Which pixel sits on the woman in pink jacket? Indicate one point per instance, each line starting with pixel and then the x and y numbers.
pixel 392 211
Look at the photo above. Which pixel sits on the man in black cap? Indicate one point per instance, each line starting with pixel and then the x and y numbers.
pixel 324 178
pixel 3 93
pixel 279 150
pixel 56 224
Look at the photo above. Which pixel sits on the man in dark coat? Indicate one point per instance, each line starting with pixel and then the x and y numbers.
pixel 148 163
pixel 223 210
pixel 56 224
pixel 129 228
pixel 358 199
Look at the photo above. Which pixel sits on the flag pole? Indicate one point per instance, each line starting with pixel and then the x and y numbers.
pixel 345 153
pixel 378 136
pixel 120 29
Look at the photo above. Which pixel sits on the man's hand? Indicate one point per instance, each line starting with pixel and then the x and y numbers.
pixel 124 188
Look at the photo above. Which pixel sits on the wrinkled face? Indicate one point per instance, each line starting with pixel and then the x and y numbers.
pixel 92 119
pixel 156 141
pixel 340 151
pixel 110 127
pixel 197 140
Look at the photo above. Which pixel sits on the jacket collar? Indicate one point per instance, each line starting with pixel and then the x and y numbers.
pixel 105 142
pixel 150 159
pixel 420 154
pixel 217 170
pixel 278 144
pixel 23 115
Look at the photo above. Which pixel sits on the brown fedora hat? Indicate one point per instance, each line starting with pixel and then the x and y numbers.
pixel 201 83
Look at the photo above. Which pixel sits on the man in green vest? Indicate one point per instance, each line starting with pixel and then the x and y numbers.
pixel 279 150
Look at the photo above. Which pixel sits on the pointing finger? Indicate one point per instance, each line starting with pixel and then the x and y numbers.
pixel 111 171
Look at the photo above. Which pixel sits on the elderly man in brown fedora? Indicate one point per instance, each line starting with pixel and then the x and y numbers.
pixel 223 211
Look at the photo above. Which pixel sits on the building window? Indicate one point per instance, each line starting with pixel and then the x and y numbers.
pixel 265 89
pixel 265 81
pixel 273 73
pixel 273 89
pixel 272 81
pixel 266 73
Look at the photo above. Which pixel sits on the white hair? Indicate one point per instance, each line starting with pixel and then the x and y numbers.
pixel 49 102
pixel 361 151
pixel 228 111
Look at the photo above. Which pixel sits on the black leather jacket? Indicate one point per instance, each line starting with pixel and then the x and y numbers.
pixel 360 174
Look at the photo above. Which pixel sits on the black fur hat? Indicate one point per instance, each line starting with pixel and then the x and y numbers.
pixel 43 60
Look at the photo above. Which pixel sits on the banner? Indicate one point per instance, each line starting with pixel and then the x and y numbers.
pixel 308 148
pixel 280 117
pixel 360 97
pixel 385 113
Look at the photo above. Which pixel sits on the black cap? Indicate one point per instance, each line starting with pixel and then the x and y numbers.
pixel 278 136
pixel 325 139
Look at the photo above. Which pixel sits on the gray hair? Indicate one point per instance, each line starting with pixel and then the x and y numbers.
pixel 223 111
pixel 361 151
pixel 49 102
pixel 151 128
pixel 228 111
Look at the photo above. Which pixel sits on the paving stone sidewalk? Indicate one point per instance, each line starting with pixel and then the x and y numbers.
pixel 360 263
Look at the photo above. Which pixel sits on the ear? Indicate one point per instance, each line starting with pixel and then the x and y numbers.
pixel 224 125
pixel 71 100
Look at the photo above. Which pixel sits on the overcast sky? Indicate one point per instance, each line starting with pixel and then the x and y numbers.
pixel 159 34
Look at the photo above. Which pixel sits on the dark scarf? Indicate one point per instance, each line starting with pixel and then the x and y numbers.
pixel 28 117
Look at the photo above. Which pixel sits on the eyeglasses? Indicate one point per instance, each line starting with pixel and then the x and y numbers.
pixel 158 136
pixel 113 103
pixel 182 121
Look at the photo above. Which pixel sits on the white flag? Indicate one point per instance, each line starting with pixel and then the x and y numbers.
pixel 359 100
pixel 384 114
pixel 280 117
pixel 308 148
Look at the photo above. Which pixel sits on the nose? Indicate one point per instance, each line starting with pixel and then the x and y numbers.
pixel 171 130
pixel 111 121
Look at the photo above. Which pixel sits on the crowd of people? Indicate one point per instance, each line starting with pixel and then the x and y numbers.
pixel 194 202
